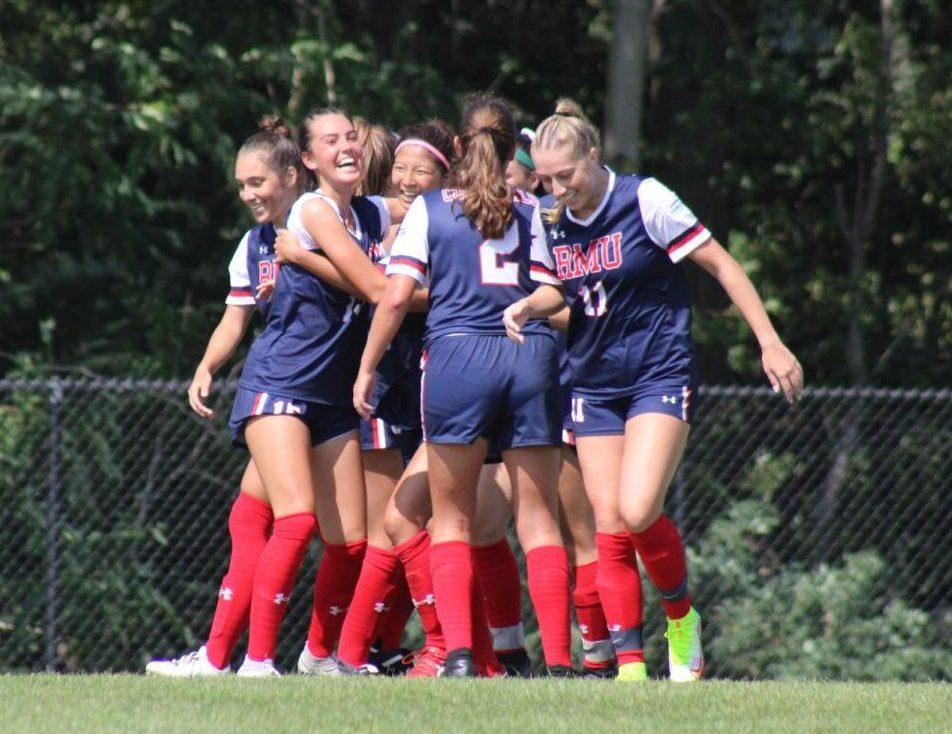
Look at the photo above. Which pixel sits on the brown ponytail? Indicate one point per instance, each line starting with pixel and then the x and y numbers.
pixel 488 138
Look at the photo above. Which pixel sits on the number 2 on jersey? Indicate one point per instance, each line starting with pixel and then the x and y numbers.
pixel 594 300
pixel 494 267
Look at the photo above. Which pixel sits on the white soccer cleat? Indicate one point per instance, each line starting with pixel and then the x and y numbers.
pixel 193 664
pixel 258 669
pixel 685 656
pixel 307 664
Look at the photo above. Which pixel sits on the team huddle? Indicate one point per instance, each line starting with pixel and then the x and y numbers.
pixel 461 329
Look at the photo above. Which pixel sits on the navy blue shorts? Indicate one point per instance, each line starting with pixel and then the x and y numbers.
pixel 594 417
pixel 324 421
pixel 487 385
pixel 377 433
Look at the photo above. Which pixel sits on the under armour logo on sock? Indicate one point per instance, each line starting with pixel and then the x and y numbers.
pixel 225 593
pixel 280 598
pixel 335 611
pixel 428 600
pixel 380 607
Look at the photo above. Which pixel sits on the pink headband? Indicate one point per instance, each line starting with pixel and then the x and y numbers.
pixel 427 147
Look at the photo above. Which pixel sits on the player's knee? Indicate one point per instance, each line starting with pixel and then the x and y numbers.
pixel 639 517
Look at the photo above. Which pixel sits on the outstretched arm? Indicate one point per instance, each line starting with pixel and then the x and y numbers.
pixel 783 370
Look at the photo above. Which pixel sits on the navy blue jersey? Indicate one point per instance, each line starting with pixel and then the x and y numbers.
pixel 399 370
pixel 311 343
pixel 630 313
pixel 252 264
pixel 472 279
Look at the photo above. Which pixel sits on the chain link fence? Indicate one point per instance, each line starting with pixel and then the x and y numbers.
pixel 114 501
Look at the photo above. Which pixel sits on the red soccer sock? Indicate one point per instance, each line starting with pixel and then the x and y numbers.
pixel 249 525
pixel 399 607
pixel 377 579
pixel 414 554
pixel 451 566
pixel 498 576
pixel 484 656
pixel 277 568
pixel 619 589
pixel 547 571
pixel 333 589
pixel 662 552
pixel 596 641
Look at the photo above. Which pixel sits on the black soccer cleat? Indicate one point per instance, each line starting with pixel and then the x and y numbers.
pixel 516 663
pixel 390 662
pixel 459 664
pixel 599 673
pixel 561 671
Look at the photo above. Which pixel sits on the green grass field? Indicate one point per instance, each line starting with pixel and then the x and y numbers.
pixel 127 703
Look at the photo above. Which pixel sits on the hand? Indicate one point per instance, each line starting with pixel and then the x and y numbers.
pixel 783 370
pixel 264 291
pixel 514 318
pixel 287 246
pixel 363 389
pixel 198 392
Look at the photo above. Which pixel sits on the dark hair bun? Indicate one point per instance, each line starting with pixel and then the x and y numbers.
pixel 276 126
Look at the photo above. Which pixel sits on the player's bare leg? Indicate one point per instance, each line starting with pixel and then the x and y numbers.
pixel 654 445
pixel 617 578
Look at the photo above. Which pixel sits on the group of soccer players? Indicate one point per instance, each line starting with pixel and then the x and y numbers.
pixel 443 351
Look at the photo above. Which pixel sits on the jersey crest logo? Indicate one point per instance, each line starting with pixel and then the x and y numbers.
pixel 603 253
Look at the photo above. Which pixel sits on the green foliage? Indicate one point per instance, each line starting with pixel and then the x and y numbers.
pixel 837 622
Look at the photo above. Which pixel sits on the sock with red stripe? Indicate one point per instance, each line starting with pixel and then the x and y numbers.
pixel 277 569
pixel 619 589
pixel 414 554
pixel 378 576
pixel 333 590
pixel 398 608
pixel 597 646
pixel 451 566
pixel 499 578
pixel 662 552
pixel 249 525
pixel 547 572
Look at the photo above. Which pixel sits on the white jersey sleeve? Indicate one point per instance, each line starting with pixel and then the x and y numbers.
pixel 240 293
pixel 670 224
pixel 296 225
pixel 378 201
pixel 541 264
pixel 410 254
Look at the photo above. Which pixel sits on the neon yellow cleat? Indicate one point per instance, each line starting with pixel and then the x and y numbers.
pixel 632 672
pixel 685 656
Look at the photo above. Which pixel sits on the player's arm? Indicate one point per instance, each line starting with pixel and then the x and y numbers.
pixel 782 368
pixel 388 317
pixel 288 249
pixel 560 320
pixel 221 346
pixel 543 302
pixel 333 238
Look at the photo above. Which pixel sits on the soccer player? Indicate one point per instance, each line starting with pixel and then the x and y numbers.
pixel 616 242
pixel 270 177
pixel 421 163
pixel 290 395
pixel 479 247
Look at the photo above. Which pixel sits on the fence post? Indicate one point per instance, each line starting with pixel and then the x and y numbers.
pixel 53 524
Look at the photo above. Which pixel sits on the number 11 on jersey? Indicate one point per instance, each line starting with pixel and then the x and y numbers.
pixel 594 300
